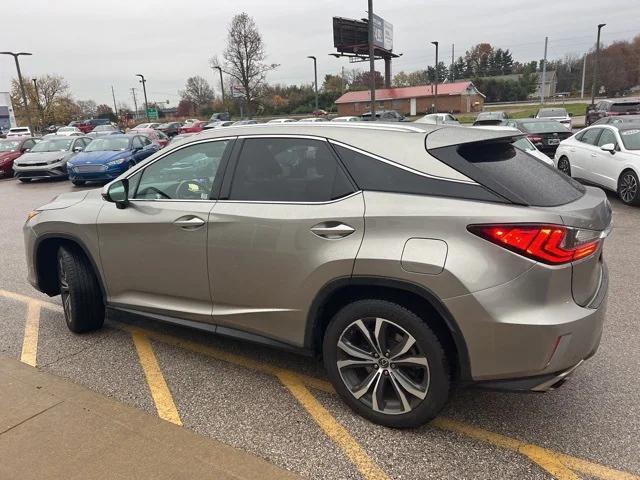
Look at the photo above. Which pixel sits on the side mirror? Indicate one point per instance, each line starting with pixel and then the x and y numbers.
pixel 609 147
pixel 117 192
pixel 78 149
pixel 25 150
pixel 570 114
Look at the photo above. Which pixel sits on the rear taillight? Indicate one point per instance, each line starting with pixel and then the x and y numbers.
pixel 551 244
pixel 535 138
pixel 613 114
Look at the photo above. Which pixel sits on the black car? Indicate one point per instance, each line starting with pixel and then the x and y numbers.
pixel 220 117
pixel 491 118
pixel 617 120
pixel 170 129
pixel 384 116
pixel 546 135
pixel 611 108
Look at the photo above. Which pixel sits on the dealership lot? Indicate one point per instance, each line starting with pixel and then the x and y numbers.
pixel 280 407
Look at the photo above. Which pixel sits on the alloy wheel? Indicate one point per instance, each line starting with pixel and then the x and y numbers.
pixel 563 166
pixel 64 288
pixel 383 366
pixel 628 188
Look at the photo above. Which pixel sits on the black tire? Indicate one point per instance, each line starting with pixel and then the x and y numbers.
pixel 564 166
pixel 629 188
pixel 25 180
pixel 436 391
pixel 81 296
pixel 78 183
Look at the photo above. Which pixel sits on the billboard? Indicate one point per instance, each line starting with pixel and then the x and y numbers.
pixel 382 33
pixel 352 36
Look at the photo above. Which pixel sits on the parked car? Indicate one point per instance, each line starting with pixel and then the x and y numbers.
pixel 384 116
pixel 244 122
pixel 617 119
pixel 10 150
pixel 105 158
pixel 220 117
pixel 193 127
pixel 319 113
pixel 53 128
pixel 154 135
pixel 181 136
pixel 281 120
pixel 556 113
pixel 170 129
pixel 523 143
pixel 346 119
pixel 605 155
pixel 69 131
pixel 438 119
pixel 313 119
pixel 546 135
pixel 217 124
pixel 87 126
pixel 477 265
pixel 104 130
pixel 147 125
pixel 611 108
pixel 18 132
pixel 491 118
pixel 48 158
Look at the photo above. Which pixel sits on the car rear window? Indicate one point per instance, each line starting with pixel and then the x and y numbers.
pixel 625 107
pixel 512 173
pixel 544 126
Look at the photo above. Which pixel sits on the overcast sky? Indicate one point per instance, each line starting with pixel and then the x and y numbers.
pixel 97 44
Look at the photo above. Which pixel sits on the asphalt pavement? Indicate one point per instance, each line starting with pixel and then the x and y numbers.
pixel 279 406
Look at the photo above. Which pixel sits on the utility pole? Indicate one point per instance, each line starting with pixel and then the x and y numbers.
pixel 115 108
pixel 584 71
pixel 453 54
pixel 35 86
pixel 135 103
pixel 595 66
pixel 372 64
pixel 435 98
pixel 221 82
pixel 544 71
pixel 24 92
pixel 144 90
pixel 315 76
pixel 342 82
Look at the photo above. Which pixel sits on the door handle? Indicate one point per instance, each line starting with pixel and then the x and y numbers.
pixel 332 230
pixel 189 223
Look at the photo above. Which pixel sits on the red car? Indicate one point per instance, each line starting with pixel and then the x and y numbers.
pixel 194 127
pixel 10 149
pixel 88 125
pixel 153 135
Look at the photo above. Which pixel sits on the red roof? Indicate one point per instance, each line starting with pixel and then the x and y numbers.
pixel 455 88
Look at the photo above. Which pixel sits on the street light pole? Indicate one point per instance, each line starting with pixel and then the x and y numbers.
pixel 435 98
pixel 41 119
pixel 372 63
pixel 144 90
pixel 595 66
pixel 315 76
pixel 24 92
pixel 221 82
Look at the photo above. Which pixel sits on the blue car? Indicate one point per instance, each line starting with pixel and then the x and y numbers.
pixel 107 157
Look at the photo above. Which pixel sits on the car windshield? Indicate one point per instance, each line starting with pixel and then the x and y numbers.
pixel 8 145
pixel 107 143
pixel 625 107
pixel 67 129
pixel 142 125
pixel 545 126
pixel 552 112
pixel 631 139
pixel 53 145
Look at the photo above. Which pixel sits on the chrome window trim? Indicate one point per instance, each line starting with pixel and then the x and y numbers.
pixel 400 166
pixel 266 202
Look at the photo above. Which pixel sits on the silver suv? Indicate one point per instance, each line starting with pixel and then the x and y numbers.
pixel 409 257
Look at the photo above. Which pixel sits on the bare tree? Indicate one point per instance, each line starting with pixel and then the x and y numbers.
pixel 244 57
pixel 197 91
pixel 88 108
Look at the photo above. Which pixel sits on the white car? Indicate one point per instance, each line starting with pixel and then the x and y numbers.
pixel 438 119
pixel 313 119
pixel 69 131
pixel 523 143
pixel 604 155
pixel 281 120
pixel 19 132
pixel 345 119
pixel 558 114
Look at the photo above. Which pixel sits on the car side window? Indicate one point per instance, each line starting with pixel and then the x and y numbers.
pixel 607 136
pixel 184 174
pixel 28 144
pixel 136 142
pixel 589 136
pixel 145 141
pixel 288 170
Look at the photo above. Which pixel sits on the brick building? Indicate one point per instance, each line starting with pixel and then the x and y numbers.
pixel 456 97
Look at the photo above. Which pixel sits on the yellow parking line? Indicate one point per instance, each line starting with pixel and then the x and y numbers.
pixel 336 432
pixel 160 392
pixel 31 329
pixel 549 460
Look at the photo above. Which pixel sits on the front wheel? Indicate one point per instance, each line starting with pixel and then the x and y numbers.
pixel 564 166
pixel 77 183
pixel 629 188
pixel 386 363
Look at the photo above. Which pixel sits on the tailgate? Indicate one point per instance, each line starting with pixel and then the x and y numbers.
pixel 590 212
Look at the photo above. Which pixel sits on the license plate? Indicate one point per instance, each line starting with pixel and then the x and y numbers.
pixel 554 141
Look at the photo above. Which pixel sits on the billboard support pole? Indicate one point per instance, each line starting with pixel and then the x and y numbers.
pixel 387 72
pixel 372 66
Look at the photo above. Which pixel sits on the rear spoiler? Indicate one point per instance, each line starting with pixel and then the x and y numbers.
pixel 451 136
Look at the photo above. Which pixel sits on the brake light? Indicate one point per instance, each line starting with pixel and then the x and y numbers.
pixel 551 244
pixel 613 114
pixel 535 138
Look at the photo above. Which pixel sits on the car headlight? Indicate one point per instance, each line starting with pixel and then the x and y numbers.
pixel 119 161
pixel 56 160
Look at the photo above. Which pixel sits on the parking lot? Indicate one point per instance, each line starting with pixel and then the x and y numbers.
pixel 280 407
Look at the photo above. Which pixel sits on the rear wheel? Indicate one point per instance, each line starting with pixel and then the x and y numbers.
pixel 386 363
pixel 564 166
pixel 77 183
pixel 629 188
pixel 81 296
pixel 25 180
